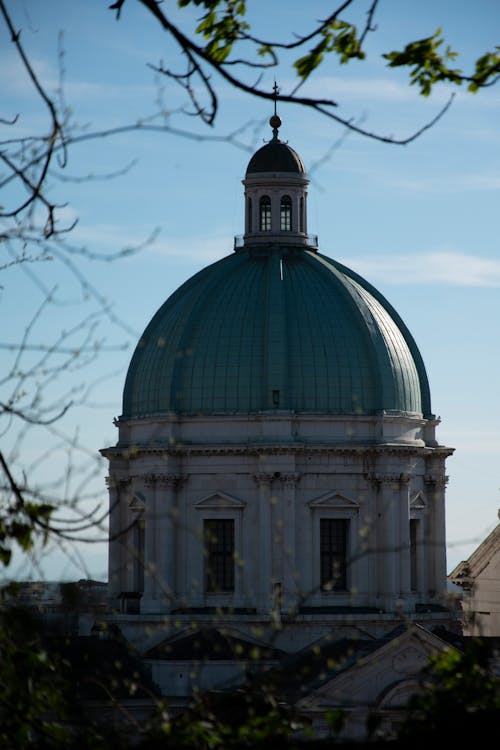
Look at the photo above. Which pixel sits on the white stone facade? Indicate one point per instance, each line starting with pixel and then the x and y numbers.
pixel 479 579
pixel 276 477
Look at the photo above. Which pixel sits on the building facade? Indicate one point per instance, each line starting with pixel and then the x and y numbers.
pixel 479 579
pixel 277 471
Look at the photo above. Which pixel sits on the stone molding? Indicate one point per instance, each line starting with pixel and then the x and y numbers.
pixel 264 479
pixel 400 479
pixel 289 480
pixel 164 480
pixel 284 449
pixel 115 481
pixel 438 480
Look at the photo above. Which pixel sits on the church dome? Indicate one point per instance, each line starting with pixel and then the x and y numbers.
pixel 281 328
pixel 276 325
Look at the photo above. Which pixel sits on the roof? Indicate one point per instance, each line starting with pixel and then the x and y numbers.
pixel 212 644
pixel 279 329
pixel 275 156
pixel 467 571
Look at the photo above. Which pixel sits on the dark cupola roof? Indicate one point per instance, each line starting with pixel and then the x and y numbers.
pixel 275 156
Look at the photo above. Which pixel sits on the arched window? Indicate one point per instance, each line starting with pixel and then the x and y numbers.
pixel 265 213
pixel 301 214
pixel 249 215
pixel 286 214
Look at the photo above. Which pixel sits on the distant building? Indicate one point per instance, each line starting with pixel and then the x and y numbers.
pixel 277 484
pixel 479 579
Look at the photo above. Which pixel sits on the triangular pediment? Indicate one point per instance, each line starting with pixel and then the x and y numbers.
pixel 212 644
pixel 138 503
pixel 417 501
pixel 487 555
pixel 220 500
pixel 387 674
pixel 333 500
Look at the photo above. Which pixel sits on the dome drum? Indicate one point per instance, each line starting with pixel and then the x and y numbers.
pixel 276 204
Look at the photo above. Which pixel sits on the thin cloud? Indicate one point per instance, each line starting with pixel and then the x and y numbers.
pixel 453 183
pixel 15 78
pixel 113 238
pixel 369 89
pixel 441 267
pixel 206 249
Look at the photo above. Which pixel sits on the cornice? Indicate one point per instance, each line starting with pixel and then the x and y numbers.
pixel 401 479
pixel 274 449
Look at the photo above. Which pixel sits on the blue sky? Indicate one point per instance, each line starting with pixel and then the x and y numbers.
pixel 420 221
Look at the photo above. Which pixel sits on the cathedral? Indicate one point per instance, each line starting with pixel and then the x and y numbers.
pixel 277 483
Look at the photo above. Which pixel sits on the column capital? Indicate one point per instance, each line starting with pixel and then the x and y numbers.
pixel 264 479
pixel 291 479
pixel 169 480
pixel 115 481
pixel 438 480
pixel 399 479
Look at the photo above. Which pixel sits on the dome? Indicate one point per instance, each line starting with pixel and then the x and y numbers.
pixel 283 329
pixel 275 156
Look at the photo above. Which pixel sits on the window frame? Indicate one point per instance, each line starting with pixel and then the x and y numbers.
pixel 265 214
pixel 285 213
pixel 225 574
pixel 326 527
pixel 220 505
pixel 336 504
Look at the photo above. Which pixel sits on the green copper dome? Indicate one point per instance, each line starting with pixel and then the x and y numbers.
pixel 273 329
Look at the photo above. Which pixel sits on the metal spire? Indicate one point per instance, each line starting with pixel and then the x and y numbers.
pixel 275 121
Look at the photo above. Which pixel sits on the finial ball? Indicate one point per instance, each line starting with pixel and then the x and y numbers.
pixel 275 122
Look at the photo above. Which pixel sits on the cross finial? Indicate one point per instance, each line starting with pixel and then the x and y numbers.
pixel 275 121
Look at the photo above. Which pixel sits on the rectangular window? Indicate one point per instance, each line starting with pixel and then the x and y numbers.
pixel 138 541
pixel 219 551
pixel 333 553
pixel 413 554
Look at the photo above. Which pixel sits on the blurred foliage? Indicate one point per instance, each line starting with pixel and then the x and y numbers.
pixel 460 698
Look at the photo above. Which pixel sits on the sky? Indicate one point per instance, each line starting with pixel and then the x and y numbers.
pixel 419 221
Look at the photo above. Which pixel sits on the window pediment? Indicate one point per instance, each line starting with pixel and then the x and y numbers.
pixel 219 500
pixel 333 500
pixel 417 501
pixel 138 503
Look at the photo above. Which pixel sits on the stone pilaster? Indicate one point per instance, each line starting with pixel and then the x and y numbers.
pixel 392 542
pixel 404 540
pixel 435 541
pixel 290 571
pixel 265 569
pixel 167 530
pixel 161 522
pixel 117 536
pixel 150 561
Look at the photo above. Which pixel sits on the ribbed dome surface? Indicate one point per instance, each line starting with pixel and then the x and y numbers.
pixel 280 330
pixel 276 156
